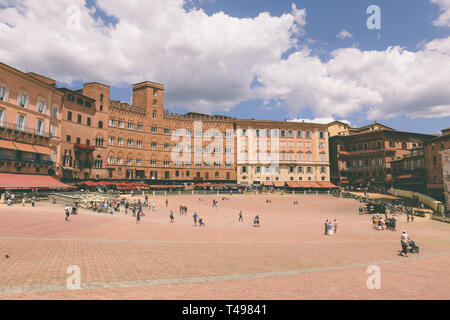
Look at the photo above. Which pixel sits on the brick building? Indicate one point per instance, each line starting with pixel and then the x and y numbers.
pixel 433 162
pixel 408 173
pixel 29 122
pixel 445 158
pixel 364 158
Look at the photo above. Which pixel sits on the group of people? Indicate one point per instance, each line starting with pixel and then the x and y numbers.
pixel 71 209
pixel 183 210
pixel 379 223
pixel 330 227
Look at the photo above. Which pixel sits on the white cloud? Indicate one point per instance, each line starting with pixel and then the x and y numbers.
pixel 320 120
pixel 344 34
pixel 444 18
pixel 208 62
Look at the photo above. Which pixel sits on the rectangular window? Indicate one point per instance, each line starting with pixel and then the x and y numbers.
pixel 79 118
pixel 4 94
pixel 53 130
pixel 140 127
pixel 22 100
pixel 2 117
pixel 41 106
pixel 112 122
pixel 21 122
pixel 88 121
pixel 69 115
pixel 68 138
pixel 130 126
pixel 39 127
pixel 154 129
pixel 55 112
pixel 121 124
pixel 308 134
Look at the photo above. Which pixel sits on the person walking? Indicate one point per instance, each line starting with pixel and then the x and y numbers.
pixel 240 216
pixel 335 223
pixel 24 199
pixel 326 227
pixel 172 219
pixel 167 202
pixel 138 217
pixel 67 211
pixel 195 218
pixel 404 242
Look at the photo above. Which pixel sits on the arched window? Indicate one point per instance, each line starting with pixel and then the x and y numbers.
pixel 154 114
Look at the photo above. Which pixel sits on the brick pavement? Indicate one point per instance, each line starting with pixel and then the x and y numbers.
pixel 287 258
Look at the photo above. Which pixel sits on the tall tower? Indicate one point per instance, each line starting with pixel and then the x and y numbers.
pixel 150 97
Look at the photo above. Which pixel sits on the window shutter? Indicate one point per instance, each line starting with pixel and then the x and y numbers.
pixel 37 105
pixel 45 108
pixel 24 123
pixel 6 95
pixel 27 101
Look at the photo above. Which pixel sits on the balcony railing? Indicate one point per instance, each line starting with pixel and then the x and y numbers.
pixel 18 128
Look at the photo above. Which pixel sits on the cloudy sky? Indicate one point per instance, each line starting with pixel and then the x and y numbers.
pixel 302 59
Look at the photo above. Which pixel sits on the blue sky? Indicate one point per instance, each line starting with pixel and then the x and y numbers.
pixel 404 23
pixel 407 24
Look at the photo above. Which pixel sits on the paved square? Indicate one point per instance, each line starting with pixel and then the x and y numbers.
pixel 288 257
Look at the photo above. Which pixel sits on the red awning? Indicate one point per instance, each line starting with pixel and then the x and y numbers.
pixel 327 184
pixel 24 147
pixel 267 183
pixel 405 176
pixel 27 181
pixel 84 146
pixel 7 145
pixel 278 184
pixel 43 150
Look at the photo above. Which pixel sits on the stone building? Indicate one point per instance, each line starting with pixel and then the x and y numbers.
pixel 364 158
pixel 275 152
pixel 434 164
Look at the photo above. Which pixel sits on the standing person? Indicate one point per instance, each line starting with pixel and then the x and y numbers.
pixel 330 229
pixel 407 216
pixel 67 211
pixel 138 217
pixel 404 243
pixel 412 216
pixel 335 223
pixel 195 218
pixel 24 199
pixel 167 202
pixel 326 227
pixel 240 216
pixel 171 216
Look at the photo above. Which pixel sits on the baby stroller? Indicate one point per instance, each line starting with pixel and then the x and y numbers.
pixel 412 247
